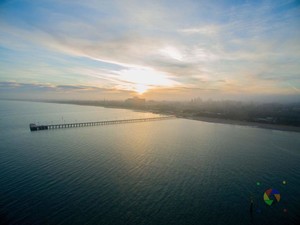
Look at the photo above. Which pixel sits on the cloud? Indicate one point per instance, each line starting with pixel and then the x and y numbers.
pixel 50 87
pixel 182 44
pixel 209 30
pixel 16 90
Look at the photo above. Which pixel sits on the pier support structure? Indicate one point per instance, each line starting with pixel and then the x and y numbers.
pixel 34 127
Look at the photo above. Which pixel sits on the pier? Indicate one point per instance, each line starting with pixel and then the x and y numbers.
pixel 34 127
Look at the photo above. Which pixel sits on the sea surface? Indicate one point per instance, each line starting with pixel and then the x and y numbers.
pixel 178 171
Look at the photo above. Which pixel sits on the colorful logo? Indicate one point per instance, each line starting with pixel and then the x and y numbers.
pixel 271 196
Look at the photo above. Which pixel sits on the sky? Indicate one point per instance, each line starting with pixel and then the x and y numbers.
pixel 156 49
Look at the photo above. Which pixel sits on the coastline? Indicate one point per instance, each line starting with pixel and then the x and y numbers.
pixel 246 123
pixel 189 117
pixel 223 121
pixel 219 120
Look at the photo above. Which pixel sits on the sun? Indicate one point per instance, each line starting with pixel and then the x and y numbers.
pixel 141 88
pixel 141 80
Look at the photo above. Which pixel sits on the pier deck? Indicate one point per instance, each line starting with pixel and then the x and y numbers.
pixel 34 127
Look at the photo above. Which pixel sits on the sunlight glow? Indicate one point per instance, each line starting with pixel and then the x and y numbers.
pixel 140 80
pixel 141 88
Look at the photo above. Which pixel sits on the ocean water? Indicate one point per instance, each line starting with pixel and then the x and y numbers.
pixel 161 172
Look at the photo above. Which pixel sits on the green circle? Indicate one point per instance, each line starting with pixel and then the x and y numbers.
pixel 257 183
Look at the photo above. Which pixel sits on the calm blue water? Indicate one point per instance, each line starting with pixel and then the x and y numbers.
pixel 163 172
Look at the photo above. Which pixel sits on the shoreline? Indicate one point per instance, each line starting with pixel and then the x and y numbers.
pixel 245 123
pixel 196 118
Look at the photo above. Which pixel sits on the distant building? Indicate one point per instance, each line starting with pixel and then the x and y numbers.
pixel 135 101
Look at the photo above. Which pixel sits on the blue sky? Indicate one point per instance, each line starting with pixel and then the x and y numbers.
pixel 172 50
